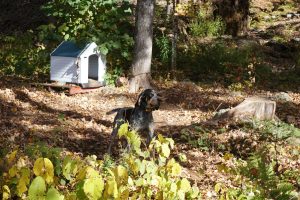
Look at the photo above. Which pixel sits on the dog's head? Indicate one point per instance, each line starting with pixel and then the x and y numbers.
pixel 149 100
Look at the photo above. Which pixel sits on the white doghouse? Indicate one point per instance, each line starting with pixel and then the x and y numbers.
pixel 79 64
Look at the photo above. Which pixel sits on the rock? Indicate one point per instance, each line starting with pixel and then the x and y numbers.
pixel 283 97
pixel 289 15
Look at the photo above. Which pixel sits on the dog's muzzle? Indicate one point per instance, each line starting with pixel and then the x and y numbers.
pixel 153 104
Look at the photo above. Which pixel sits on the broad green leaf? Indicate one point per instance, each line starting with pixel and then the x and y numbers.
pixel 103 50
pixel 91 173
pixel 184 185
pixel 81 174
pixel 67 36
pixel 228 156
pixel 218 187
pixel 123 130
pixel 181 194
pixel 23 181
pixel 53 194
pixel 69 168
pixel 182 157
pixel 43 167
pixel 176 169
pixel 173 187
pixel 165 150
pixel 6 192
pixel 111 189
pixel 161 139
pixel 121 174
pixel 140 182
pixel 123 193
pixel 13 171
pixel 93 187
pixel 11 157
pixel 37 189
pixel 195 192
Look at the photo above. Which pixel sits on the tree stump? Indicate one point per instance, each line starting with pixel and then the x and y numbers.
pixel 251 108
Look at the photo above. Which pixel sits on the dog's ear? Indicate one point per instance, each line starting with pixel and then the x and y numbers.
pixel 141 102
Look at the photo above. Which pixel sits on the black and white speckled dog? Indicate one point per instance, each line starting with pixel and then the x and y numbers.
pixel 140 117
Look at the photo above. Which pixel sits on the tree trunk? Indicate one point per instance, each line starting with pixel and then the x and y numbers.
pixel 258 108
pixel 141 64
pixel 235 14
pixel 174 40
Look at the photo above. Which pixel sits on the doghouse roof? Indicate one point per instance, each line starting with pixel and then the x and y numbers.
pixel 69 49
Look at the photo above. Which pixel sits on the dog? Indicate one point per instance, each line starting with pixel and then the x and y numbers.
pixel 139 117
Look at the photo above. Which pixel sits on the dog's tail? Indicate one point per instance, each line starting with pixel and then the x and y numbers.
pixel 113 111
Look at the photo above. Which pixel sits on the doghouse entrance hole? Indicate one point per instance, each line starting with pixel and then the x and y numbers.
pixel 93 67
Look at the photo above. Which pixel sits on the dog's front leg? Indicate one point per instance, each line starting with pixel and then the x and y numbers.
pixel 112 139
pixel 150 133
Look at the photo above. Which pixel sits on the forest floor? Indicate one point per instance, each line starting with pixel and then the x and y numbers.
pixel 79 123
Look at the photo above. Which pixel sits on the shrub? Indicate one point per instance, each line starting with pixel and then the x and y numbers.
pixel 137 174
pixel 105 22
pixel 219 60
pixel 257 178
pixel 23 55
pixel 205 24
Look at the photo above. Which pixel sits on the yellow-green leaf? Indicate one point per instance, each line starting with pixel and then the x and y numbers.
pixel 53 194
pixel 81 174
pixel 121 174
pixel 165 150
pixel 69 168
pixel 195 192
pixel 43 167
pixel 6 192
pixel 93 188
pixel 176 169
pixel 123 193
pixel 218 187
pixel 24 180
pixel 13 171
pixel 111 189
pixel 184 185
pixel 123 130
pixel 228 156
pixel 37 189
pixel 21 187
pixel 11 157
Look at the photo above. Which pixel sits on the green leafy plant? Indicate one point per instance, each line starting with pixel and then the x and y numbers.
pixel 276 129
pixel 164 46
pixel 105 22
pixel 199 138
pixel 22 55
pixel 258 178
pixel 205 24
pixel 111 77
pixel 138 174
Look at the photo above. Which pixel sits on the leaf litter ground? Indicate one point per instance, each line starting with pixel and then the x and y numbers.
pixel 79 123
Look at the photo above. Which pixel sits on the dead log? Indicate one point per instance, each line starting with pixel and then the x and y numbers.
pixel 251 108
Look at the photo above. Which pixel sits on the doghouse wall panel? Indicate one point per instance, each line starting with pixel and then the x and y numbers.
pixel 63 69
